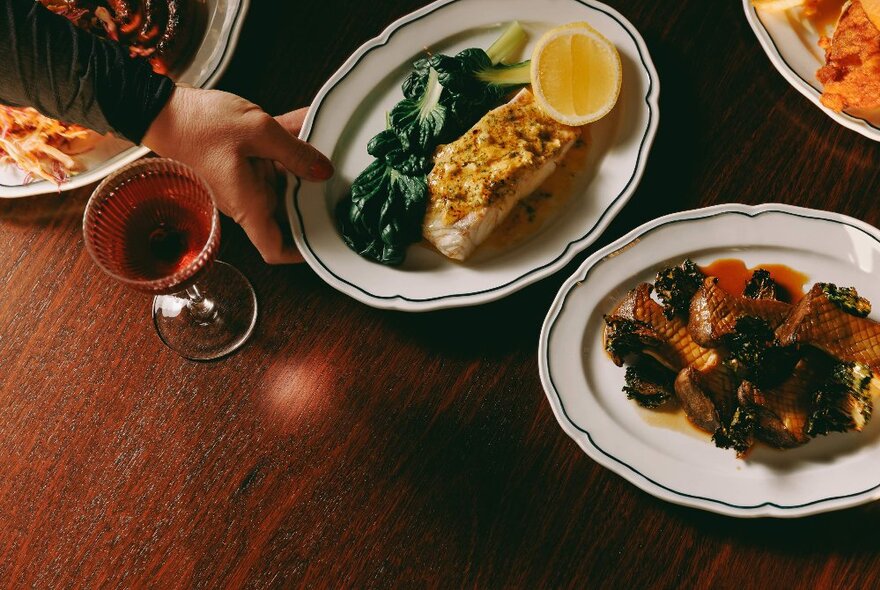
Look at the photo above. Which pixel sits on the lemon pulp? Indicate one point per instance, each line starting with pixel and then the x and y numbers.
pixel 576 74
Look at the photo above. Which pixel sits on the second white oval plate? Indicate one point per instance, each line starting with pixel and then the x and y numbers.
pixel 224 21
pixel 793 48
pixel 662 454
pixel 351 108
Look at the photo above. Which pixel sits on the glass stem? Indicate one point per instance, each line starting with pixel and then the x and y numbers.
pixel 200 307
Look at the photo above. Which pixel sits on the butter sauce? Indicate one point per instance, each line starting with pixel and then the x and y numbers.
pixel 531 213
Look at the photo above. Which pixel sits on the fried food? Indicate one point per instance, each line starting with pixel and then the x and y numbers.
pixel 851 74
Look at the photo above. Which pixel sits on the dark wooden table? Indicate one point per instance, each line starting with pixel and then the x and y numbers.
pixel 350 447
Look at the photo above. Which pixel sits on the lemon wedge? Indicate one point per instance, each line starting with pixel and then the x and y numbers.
pixel 576 74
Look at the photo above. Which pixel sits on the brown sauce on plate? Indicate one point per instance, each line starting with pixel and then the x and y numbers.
pixel 733 275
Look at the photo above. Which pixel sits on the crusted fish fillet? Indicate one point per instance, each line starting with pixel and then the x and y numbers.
pixel 478 178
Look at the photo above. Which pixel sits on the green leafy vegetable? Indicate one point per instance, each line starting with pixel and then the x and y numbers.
pixel 649 383
pixel 675 287
pixel 740 433
pixel 843 402
pixel 443 97
pixel 755 355
pixel 847 299
pixel 761 286
pixel 628 337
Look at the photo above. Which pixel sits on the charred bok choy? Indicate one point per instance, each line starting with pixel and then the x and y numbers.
pixel 443 97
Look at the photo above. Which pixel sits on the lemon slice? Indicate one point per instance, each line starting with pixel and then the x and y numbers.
pixel 777 4
pixel 576 74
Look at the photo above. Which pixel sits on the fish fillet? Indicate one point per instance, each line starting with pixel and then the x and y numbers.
pixel 478 178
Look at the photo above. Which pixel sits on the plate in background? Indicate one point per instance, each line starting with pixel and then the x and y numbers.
pixel 225 18
pixel 792 46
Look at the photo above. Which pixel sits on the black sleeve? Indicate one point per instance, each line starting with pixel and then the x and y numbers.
pixel 69 74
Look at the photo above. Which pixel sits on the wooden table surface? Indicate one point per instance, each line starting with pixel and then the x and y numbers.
pixel 350 447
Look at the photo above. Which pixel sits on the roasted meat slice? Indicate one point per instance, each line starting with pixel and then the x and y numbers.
pixel 714 312
pixel 820 322
pixel 781 413
pixel 707 395
pixel 638 324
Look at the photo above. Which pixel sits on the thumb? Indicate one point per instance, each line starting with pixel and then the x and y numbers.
pixel 293 121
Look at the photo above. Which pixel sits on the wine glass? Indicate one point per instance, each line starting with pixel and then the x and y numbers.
pixel 153 226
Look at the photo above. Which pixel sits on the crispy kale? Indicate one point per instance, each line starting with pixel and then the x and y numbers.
pixel 675 287
pixel 739 435
pixel 755 355
pixel 847 299
pixel 842 402
pixel 443 96
pixel 761 286
pixel 649 383
pixel 624 338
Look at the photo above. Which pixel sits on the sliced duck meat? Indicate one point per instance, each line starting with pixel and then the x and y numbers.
pixel 707 395
pixel 781 413
pixel 821 320
pixel 714 313
pixel 638 324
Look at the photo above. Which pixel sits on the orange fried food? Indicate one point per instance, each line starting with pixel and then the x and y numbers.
pixel 851 74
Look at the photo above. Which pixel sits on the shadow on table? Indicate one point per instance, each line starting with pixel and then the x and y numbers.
pixel 850 532
pixel 43 210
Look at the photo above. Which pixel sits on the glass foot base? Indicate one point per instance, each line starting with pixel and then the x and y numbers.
pixel 217 327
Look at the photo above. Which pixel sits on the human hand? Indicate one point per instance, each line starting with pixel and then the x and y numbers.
pixel 234 145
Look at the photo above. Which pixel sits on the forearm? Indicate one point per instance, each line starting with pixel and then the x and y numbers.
pixel 69 74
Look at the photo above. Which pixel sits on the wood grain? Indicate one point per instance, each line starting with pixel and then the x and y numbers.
pixel 350 447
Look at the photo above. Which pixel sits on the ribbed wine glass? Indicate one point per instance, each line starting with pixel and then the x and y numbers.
pixel 153 226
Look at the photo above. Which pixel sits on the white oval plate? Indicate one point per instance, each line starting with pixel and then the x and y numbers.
pixel 661 453
pixel 225 18
pixel 351 108
pixel 793 49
